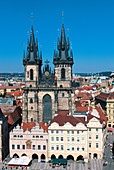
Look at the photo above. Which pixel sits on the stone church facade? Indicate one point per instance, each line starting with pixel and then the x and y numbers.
pixel 46 94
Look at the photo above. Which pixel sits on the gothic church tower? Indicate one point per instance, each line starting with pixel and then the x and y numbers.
pixel 32 64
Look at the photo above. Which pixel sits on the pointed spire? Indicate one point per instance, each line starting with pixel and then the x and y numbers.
pixel 71 54
pixel 28 46
pixel 63 40
pixel 40 52
pixel 67 39
pixel 24 55
pixel 36 41
pixel 58 44
pixel 24 59
pixel 36 46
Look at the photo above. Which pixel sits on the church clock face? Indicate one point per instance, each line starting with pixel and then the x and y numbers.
pixel 46 73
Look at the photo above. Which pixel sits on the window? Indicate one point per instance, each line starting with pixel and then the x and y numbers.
pixel 31 108
pixel 89 145
pixel 31 100
pixel 62 94
pixel 96 129
pixel 62 73
pixel 41 136
pixel 89 136
pixel 57 138
pixel 52 138
pixel 72 148
pixel 78 139
pixel 33 147
pixel 57 147
pixel 27 74
pixel 68 139
pixel 44 147
pixel 61 138
pixel 61 131
pixel 82 139
pixel 97 136
pixel 37 136
pixel 18 146
pixel 52 147
pixel 68 132
pixel 68 147
pixel 89 155
pixel 62 147
pixel 57 131
pixel 31 74
pixel 13 146
pixel 77 131
pixel 83 148
pixel 109 117
pixel 31 119
pixel 72 132
pixel 14 136
pixel 23 146
pixel 113 106
pixel 33 136
pixel 39 147
pixel 82 132
pixel 113 111
pixel 72 139
pixel 52 131
pixel 109 105
pixel 97 145
pixel 78 148
pixel 89 129
pixel 109 111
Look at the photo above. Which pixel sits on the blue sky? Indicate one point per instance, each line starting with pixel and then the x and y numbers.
pixel 90 24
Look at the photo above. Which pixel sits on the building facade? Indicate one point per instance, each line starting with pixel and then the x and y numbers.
pixel 45 93
pixel 30 140
pixel 107 102
pixel 4 136
pixel 81 137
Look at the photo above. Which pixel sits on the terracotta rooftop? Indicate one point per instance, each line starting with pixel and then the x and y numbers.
pixel 105 96
pixel 14 116
pixel 63 112
pixel 30 125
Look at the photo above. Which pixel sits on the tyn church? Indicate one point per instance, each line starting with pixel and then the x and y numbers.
pixel 47 94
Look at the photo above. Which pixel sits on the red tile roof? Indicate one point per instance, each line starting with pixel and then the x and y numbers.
pixel 63 112
pixel 14 116
pixel 15 93
pixel 10 87
pixel 105 96
pixel 30 125
pixel 61 120
pixel 82 108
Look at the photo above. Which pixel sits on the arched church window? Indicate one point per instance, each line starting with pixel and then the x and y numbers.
pixel 31 74
pixel 63 73
pixel 30 86
pixel 31 100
